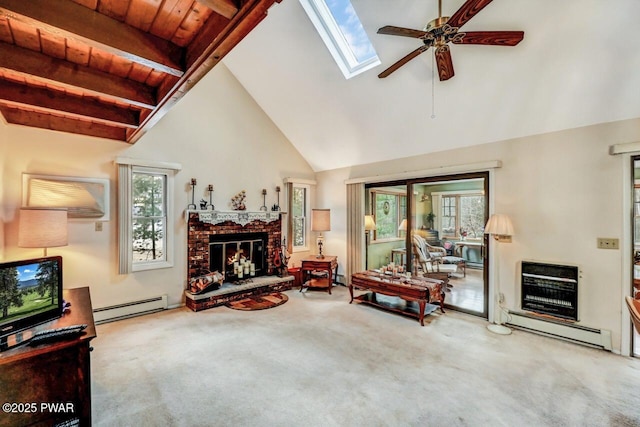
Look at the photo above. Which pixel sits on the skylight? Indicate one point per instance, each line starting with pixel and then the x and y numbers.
pixel 341 30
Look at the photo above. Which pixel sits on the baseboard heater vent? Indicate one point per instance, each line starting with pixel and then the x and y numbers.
pixel 599 338
pixel 129 309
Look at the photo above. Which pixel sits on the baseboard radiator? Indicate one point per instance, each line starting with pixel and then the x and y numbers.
pixel 599 338
pixel 129 309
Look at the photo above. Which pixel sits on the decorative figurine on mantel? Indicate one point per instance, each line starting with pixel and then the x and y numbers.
pixel 237 201
pixel 203 204
pixel 276 207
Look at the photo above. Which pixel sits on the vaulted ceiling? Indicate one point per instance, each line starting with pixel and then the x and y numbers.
pixel 578 65
pixel 111 68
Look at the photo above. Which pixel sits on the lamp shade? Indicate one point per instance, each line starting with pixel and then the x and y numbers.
pixel 403 225
pixel 42 228
pixel 499 224
pixel 320 220
pixel 369 223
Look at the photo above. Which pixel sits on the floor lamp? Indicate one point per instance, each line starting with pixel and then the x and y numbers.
pixel 42 228
pixel 500 227
pixel 369 226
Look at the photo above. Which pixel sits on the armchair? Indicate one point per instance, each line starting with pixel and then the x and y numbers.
pixel 444 258
pixel 426 264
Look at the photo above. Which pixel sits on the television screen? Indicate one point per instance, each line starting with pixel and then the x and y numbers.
pixel 30 293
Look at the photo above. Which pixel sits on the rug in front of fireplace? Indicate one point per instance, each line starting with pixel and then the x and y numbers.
pixel 259 302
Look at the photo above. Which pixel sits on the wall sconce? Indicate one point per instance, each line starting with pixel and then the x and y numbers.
pixel 42 228
pixel 500 227
pixel 320 221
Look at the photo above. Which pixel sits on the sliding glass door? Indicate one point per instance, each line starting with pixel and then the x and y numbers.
pixel 447 214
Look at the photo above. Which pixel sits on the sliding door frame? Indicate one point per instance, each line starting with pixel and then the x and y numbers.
pixel 410 182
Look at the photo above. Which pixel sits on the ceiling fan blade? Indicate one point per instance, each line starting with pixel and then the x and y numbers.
pixel 404 32
pixel 466 12
pixel 403 61
pixel 499 38
pixel 445 65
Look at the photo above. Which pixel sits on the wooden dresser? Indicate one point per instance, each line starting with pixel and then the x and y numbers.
pixel 50 384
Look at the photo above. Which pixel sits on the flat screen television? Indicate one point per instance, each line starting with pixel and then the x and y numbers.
pixel 30 294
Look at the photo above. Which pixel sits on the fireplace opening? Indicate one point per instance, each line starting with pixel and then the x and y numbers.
pixel 550 289
pixel 227 250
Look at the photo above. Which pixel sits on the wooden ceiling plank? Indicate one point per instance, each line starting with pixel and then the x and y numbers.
pixel 13 94
pixel 116 9
pixel 91 4
pixel 78 53
pixel 25 35
pixel 53 45
pixel 191 25
pixel 45 68
pixel 63 124
pixel 226 8
pixel 142 13
pixel 5 30
pixel 74 21
pixel 169 18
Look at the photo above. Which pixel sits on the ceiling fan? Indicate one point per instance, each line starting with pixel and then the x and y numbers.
pixel 442 30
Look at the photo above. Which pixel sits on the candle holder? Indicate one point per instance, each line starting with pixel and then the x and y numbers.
pixel 276 207
pixel 264 200
pixel 193 195
pixel 210 190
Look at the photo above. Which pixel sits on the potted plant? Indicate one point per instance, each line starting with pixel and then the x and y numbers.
pixel 429 218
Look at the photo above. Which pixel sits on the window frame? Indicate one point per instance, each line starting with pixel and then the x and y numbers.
pixel 399 217
pixel 307 208
pixel 126 169
pixel 457 194
pixel 333 37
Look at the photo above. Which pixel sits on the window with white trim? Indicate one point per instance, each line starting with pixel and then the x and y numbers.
pixel 462 214
pixel 145 211
pixel 300 217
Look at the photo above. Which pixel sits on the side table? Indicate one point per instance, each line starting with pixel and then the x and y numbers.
pixel 312 264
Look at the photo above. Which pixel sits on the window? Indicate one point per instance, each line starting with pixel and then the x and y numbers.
pixel 463 215
pixel 299 214
pixel 341 30
pixel 389 210
pixel 145 195
pixel 149 215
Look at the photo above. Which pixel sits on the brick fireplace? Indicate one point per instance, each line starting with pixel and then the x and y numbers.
pixel 207 226
pixel 255 233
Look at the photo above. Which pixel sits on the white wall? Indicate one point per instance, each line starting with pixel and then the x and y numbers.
pixel 562 190
pixel 218 134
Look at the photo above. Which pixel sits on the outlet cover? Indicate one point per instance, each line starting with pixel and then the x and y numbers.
pixel 608 243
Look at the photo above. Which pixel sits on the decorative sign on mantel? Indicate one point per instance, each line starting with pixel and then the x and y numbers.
pixel 239 217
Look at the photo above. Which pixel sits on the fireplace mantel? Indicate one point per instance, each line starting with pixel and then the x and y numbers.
pixel 238 217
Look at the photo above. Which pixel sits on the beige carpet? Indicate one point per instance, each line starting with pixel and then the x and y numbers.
pixel 318 361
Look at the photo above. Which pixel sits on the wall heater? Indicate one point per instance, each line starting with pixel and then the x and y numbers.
pixel 599 338
pixel 129 309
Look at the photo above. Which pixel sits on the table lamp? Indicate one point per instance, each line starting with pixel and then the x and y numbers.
pixel 320 221
pixel 42 228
